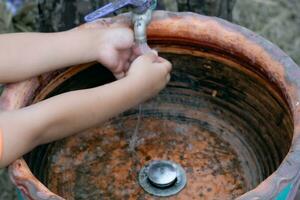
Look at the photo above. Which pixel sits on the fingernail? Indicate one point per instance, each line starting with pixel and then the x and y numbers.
pixel 120 75
pixel 155 52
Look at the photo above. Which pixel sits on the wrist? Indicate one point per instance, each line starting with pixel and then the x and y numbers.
pixel 138 89
pixel 96 43
pixel 86 43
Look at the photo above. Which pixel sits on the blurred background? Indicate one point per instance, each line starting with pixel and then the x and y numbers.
pixel 276 20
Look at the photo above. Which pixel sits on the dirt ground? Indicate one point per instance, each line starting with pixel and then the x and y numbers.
pixel 276 20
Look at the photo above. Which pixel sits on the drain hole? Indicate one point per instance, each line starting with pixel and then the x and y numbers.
pixel 162 174
pixel 162 178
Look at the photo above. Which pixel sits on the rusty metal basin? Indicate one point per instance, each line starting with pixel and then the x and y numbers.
pixel 229 117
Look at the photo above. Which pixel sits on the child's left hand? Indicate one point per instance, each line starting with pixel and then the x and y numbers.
pixel 115 49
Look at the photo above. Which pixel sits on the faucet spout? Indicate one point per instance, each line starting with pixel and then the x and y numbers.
pixel 141 17
pixel 140 23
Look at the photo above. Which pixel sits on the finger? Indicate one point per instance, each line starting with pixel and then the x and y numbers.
pixel 164 63
pixel 155 52
pixel 126 67
pixel 168 78
pixel 168 66
pixel 125 54
pixel 122 65
pixel 133 56
pixel 124 61
pixel 111 64
pixel 119 75
pixel 118 68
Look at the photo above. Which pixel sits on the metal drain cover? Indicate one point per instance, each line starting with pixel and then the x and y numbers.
pixel 162 178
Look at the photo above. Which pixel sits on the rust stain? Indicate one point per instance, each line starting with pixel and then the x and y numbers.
pixel 108 166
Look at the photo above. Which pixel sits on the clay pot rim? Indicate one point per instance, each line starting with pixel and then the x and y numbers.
pixel 263 57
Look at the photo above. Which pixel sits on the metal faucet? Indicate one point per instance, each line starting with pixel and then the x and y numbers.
pixel 141 15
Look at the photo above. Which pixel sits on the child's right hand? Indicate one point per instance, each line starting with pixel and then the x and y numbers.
pixel 150 74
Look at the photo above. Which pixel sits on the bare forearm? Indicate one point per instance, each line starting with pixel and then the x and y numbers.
pixel 79 110
pixel 63 115
pixel 25 55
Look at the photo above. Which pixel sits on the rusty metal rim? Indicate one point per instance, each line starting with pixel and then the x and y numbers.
pixel 264 58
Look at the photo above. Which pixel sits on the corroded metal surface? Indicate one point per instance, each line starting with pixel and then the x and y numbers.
pixel 106 166
pixel 273 85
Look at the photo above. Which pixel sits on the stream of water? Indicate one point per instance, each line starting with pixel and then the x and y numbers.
pixel 134 139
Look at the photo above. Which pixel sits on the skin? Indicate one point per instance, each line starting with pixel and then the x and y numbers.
pixel 24 55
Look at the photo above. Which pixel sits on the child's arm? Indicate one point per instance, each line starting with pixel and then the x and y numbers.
pixel 69 113
pixel 25 55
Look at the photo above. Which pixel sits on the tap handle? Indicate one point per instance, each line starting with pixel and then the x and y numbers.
pixel 139 5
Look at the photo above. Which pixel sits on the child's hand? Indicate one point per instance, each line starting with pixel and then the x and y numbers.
pixel 115 49
pixel 150 74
